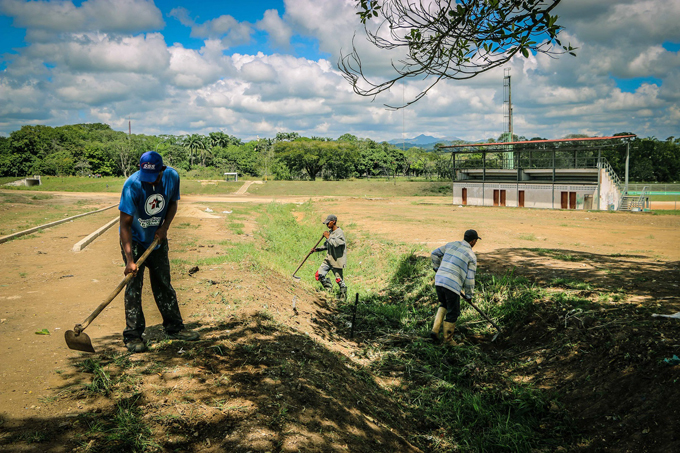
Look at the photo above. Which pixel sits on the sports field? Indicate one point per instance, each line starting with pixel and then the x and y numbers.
pixel 579 366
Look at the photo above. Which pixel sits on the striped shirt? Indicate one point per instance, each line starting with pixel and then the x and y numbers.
pixel 456 265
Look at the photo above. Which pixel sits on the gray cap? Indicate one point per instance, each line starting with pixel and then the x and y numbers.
pixel 471 235
pixel 330 218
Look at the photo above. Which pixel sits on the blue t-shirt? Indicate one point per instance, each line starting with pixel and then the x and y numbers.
pixel 148 205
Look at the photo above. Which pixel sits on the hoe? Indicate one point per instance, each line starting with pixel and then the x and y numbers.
pixel 79 340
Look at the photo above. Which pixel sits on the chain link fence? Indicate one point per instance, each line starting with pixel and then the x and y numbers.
pixel 662 196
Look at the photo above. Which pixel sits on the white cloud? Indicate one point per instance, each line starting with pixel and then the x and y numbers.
pixel 98 52
pixel 106 16
pixel 279 31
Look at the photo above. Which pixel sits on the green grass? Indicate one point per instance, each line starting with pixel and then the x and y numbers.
pixel 24 210
pixel 667 212
pixel 7 179
pixel 528 237
pixel 101 380
pixel 353 188
pixel 114 184
pixel 557 254
pixel 125 430
pixel 77 184
pixel 664 198
pixel 570 300
pixel 571 284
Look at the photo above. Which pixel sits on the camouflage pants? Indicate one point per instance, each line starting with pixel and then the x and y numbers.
pixel 325 281
pixel 166 299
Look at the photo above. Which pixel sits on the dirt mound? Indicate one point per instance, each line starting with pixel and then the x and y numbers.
pixel 595 342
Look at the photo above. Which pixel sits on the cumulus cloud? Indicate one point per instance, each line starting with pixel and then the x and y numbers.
pixel 45 18
pixel 279 31
pixel 230 31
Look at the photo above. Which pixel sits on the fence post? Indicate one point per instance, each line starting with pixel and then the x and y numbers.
pixel 354 316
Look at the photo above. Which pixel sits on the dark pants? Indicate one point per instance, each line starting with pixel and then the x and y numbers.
pixel 449 300
pixel 159 274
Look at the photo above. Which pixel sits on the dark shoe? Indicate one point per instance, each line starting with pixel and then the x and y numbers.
pixel 136 345
pixel 185 335
pixel 434 337
pixel 343 294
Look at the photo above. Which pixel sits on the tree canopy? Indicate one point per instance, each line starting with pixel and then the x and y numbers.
pixel 84 149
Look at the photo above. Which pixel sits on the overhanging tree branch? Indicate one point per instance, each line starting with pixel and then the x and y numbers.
pixel 447 39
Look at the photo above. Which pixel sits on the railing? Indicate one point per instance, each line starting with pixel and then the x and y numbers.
pixel 643 197
pixel 526 162
pixel 655 189
pixel 612 175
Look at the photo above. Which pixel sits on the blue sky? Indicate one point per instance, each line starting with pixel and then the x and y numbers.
pixel 257 68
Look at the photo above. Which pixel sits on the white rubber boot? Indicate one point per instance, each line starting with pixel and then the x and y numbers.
pixel 449 328
pixel 438 319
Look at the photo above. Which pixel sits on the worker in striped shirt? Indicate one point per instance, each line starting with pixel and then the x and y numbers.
pixel 455 264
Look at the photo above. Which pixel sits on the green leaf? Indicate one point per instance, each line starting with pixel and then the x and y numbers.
pixel 43 332
pixel 525 52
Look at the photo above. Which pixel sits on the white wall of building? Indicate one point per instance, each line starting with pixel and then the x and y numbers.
pixel 535 195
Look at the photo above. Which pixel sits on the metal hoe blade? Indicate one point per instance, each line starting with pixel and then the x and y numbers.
pixel 79 342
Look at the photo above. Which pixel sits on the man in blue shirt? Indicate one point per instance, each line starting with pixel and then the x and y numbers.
pixel 456 265
pixel 148 205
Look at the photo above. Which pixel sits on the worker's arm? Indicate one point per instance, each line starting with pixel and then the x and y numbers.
pixel 470 279
pixel 126 242
pixel 162 231
pixel 336 238
pixel 436 257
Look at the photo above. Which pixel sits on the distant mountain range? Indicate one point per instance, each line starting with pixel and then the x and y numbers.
pixel 424 141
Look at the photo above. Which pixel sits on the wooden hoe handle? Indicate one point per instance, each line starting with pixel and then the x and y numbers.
pixel 310 252
pixel 80 327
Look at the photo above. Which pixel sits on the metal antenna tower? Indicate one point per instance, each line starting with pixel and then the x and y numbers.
pixel 507 116
pixel 507 105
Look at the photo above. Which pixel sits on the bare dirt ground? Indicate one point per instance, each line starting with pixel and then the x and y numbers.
pixel 268 377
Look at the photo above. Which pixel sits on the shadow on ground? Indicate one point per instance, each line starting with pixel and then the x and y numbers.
pixel 247 385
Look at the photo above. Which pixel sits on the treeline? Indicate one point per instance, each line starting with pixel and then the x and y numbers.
pixel 85 149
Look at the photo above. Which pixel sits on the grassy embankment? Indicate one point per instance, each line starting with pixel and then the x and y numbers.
pixel 457 398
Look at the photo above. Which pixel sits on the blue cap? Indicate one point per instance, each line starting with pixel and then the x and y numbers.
pixel 150 166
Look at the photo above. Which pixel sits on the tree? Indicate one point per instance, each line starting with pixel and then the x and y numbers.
pixel 83 167
pixel 124 156
pixel 305 155
pixel 347 138
pixel 195 143
pixel 458 40
pixel 286 136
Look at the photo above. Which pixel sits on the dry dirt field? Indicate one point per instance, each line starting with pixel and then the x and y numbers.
pixel 232 392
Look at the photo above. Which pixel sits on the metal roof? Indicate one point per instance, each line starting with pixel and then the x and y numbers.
pixel 470 145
